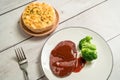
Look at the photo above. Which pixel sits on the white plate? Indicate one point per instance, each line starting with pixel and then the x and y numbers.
pixel 99 69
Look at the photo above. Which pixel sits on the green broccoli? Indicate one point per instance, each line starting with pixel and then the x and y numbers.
pixel 88 49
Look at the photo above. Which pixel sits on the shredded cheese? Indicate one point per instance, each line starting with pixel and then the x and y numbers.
pixel 38 15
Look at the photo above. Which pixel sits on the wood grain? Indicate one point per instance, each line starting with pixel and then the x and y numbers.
pixel 104 19
pixel 12 34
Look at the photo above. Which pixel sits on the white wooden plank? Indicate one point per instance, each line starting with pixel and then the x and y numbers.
pixel 10 32
pixel 72 7
pixel 99 19
pixel 6 5
pixel 8 63
pixel 115 47
pixel 103 19
pixel 11 67
pixel 32 50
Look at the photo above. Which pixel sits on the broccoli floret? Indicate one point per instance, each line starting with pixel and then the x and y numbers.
pixel 88 49
pixel 89 45
pixel 84 40
pixel 89 54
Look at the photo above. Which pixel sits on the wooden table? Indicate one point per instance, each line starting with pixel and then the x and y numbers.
pixel 101 16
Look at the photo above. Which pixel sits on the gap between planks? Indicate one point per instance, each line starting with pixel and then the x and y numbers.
pixel 16 8
pixel 59 23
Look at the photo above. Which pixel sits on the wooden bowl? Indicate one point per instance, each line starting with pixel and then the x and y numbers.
pixel 29 32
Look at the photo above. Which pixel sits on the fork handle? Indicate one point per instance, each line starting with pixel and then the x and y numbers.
pixel 25 75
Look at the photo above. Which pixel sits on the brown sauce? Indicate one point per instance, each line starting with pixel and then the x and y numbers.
pixel 63 59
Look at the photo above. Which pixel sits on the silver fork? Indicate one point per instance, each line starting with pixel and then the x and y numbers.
pixel 22 61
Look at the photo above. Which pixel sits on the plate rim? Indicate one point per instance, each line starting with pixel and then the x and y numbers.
pixel 81 28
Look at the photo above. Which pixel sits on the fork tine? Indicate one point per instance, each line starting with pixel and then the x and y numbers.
pixel 23 53
pixel 17 54
pixel 20 54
